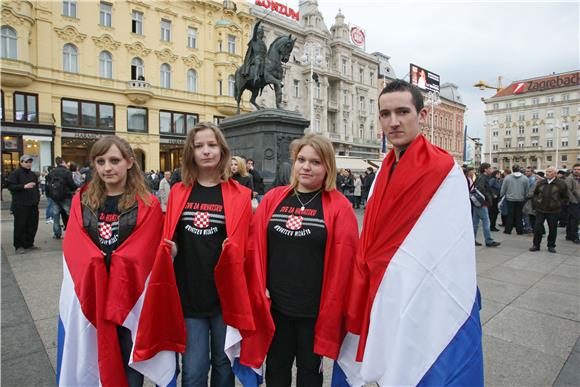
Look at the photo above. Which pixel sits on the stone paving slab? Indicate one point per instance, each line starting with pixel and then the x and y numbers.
pixel 509 274
pixel 559 284
pixel 538 262
pixel 547 334
pixel 499 291
pixel 489 309
pixel 567 270
pixel 570 374
pixel 545 301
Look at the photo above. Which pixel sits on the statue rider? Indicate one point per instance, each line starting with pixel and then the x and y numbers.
pixel 255 59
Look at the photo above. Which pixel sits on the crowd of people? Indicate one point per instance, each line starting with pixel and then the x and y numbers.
pixel 525 199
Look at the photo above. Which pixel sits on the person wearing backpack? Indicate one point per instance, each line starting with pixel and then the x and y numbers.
pixel 60 187
pixel 481 212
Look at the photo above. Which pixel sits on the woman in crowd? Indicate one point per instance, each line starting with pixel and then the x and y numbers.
pixel 357 190
pixel 302 247
pixel 77 177
pixel 207 221
pixel 240 173
pixel 106 267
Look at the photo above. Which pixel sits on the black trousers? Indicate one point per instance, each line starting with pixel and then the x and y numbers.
pixel 294 338
pixel 25 225
pixel 573 218
pixel 134 378
pixel 493 212
pixel 552 220
pixel 514 217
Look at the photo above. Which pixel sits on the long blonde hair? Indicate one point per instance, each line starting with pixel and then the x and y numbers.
pixel 189 169
pixel 324 149
pixel 96 192
pixel 241 166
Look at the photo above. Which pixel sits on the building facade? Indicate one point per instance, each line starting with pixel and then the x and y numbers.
pixel 144 70
pixel 341 102
pixel 535 122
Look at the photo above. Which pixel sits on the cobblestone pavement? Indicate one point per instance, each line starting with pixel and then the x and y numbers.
pixel 530 311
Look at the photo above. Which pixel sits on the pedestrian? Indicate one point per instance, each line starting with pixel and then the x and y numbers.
pixel 495 186
pixel 77 176
pixel 42 183
pixel 207 223
pixel 573 184
pixel 549 196
pixel 23 185
pixel 563 217
pixel 241 175
pixel 285 169
pixel 258 181
pixel 357 190
pixel 164 188
pixel 482 212
pixel 61 187
pixel 530 174
pixel 414 282
pixel 303 242
pixel 109 249
pixel 515 188
pixel 49 201
pixel 367 184
pixel 347 185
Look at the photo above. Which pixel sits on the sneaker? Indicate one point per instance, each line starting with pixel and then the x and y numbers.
pixel 493 244
pixel 477 243
pixel 493 229
pixel 20 250
pixel 552 249
pixel 534 248
pixel 49 221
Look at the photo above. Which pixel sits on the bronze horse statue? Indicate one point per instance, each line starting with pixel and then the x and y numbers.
pixel 278 53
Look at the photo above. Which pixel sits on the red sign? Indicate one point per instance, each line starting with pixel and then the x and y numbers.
pixel 282 9
pixel 357 35
pixel 519 88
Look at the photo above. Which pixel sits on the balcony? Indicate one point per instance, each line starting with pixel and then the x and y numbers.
pixel 16 73
pixel 332 106
pixel 138 92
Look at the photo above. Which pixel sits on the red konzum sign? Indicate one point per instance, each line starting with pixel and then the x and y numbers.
pixel 282 9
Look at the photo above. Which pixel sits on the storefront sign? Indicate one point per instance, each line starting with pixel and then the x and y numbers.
pixel 172 141
pixel 555 82
pixel 282 9
pixel 82 135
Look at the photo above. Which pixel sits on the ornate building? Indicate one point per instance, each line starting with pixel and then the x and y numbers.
pixel 535 122
pixel 342 101
pixel 144 70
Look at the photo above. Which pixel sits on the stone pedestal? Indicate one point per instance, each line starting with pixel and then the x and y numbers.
pixel 264 136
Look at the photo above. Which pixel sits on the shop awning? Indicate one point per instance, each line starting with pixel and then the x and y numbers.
pixel 352 163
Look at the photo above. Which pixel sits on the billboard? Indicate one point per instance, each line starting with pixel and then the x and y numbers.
pixel 357 36
pixel 424 79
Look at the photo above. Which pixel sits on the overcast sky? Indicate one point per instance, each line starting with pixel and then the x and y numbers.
pixel 467 41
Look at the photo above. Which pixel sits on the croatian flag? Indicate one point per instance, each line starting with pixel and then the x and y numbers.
pixel 413 311
pixel 133 294
pixel 248 376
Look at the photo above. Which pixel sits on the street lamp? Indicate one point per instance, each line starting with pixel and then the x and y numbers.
pixel 434 100
pixel 311 57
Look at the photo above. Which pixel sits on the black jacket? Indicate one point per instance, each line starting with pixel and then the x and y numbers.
pixel 66 176
pixel 549 198
pixel 20 195
pixel 127 222
pixel 482 184
pixel 368 182
pixel 258 182
pixel 246 181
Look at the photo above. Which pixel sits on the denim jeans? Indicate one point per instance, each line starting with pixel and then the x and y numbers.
pixel 201 333
pixel 58 208
pixel 49 206
pixel 481 213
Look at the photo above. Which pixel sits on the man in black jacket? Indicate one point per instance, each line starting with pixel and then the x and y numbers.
pixel 258 193
pixel 23 184
pixel 477 213
pixel 367 183
pixel 60 187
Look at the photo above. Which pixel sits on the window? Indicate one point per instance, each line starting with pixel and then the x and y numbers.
pixel 371 105
pixel 565 127
pixel 548 158
pixel 220 46
pixel 9 43
pixel 521 145
pixel 550 115
pixel 508 105
pixel 361 75
pixel 495 147
pixel 69 8
pixel 106 65
pixel 508 144
pixel 2 106
pixel 137 69
pixel 495 133
pixel 535 143
pixel 535 101
pixel 231 44
pixel 218 119
pixel 70 58
pixel 190 121
pixel 344 67
pixel 521 130
pixel 535 116
pixel 296 88
pixel 176 122
pixel 522 117
pixel 495 106
pixel 508 132
pixel 317 124
pixel 565 143
pixel 508 118
pixel 231 86
pixel 549 143
pixel 361 103
pixel 165 30
pixel 317 90
pixel 192 80
pixel 535 129
pixel 220 87
pixel 565 97
pixel 25 107
pixel 566 111
pixel 137 119
pixel 191 37
pixel 550 99
pixel 87 114
pixel 564 158
pixel 137 23
pixel 345 97
pixel 165 76
pixel 372 78
pixel 106 14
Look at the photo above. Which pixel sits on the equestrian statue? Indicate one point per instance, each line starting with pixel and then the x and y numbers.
pixel 263 66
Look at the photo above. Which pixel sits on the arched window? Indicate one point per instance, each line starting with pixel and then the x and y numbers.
pixel 9 43
pixel 106 65
pixel 165 76
pixel 192 80
pixel 231 86
pixel 70 58
pixel 137 69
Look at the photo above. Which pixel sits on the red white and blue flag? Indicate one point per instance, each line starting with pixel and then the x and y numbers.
pixel 133 294
pixel 413 314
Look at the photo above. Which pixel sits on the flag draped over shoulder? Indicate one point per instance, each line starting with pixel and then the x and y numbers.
pixel 93 302
pixel 413 309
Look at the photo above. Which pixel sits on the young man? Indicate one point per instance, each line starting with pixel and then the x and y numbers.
pixel 414 284
pixel 60 187
pixel 23 185
pixel 515 188
pixel 482 184
pixel 258 193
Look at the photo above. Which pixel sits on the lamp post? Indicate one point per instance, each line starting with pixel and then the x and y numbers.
pixel 309 58
pixel 481 85
pixel 434 100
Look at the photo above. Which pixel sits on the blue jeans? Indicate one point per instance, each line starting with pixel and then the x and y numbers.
pixel 48 212
pixel 201 332
pixel 58 208
pixel 481 213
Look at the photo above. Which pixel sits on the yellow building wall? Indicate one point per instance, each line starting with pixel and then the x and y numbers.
pixel 43 31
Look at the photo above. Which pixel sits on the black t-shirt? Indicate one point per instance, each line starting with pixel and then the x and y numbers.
pixel 296 244
pixel 109 227
pixel 200 233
